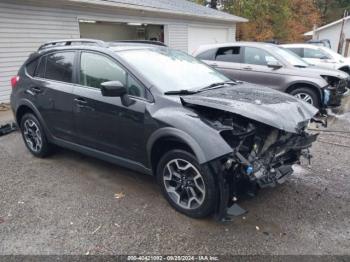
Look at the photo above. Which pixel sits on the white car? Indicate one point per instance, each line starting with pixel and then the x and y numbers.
pixel 320 56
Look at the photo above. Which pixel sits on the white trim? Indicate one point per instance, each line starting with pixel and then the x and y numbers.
pixel 232 18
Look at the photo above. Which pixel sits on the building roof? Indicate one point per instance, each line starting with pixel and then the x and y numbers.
pixel 180 7
pixel 310 33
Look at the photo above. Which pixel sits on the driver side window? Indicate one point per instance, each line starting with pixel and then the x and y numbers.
pixel 315 53
pixel 96 69
pixel 257 56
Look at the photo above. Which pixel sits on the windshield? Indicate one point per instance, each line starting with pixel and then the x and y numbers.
pixel 290 57
pixel 172 70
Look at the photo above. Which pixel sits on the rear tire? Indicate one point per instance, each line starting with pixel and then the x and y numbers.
pixel 188 187
pixel 34 136
pixel 307 95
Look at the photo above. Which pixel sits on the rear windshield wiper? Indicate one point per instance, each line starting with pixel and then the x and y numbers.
pixel 181 92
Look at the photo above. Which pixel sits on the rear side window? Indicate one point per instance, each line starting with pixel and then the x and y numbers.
pixel 59 66
pixel 207 55
pixel 31 67
pixel 40 70
pixel 229 54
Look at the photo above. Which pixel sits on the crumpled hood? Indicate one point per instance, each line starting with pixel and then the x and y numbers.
pixel 258 103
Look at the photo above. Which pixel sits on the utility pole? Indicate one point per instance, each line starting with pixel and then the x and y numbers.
pixel 341 37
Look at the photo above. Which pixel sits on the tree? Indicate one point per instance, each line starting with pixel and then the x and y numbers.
pixel 282 20
pixel 332 9
pixel 301 19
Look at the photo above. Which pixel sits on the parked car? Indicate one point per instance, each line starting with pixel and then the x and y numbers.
pixel 320 56
pixel 278 68
pixel 161 112
pixel 323 42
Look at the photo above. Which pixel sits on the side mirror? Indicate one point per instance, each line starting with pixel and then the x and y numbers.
pixel 274 64
pixel 116 89
pixel 113 89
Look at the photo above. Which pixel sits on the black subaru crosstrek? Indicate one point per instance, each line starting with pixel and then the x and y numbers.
pixel 159 111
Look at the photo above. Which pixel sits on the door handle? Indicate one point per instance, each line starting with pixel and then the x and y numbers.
pixel 248 68
pixel 82 104
pixel 36 89
pixel 214 65
pixel 80 101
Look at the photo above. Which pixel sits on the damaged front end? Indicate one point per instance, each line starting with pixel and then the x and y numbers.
pixel 262 157
pixel 266 131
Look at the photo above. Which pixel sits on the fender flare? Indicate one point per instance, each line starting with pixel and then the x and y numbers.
pixel 29 104
pixel 319 89
pixel 182 136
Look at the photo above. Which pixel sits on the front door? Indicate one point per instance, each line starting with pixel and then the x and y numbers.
pixel 255 68
pixel 104 123
pixel 319 58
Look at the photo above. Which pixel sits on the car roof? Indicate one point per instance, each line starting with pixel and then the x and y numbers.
pixel 239 43
pixel 98 44
pixel 204 48
pixel 302 46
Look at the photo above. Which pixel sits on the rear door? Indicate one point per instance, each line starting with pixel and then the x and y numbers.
pixel 53 92
pixel 104 123
pixel 255 68
pixel 227 60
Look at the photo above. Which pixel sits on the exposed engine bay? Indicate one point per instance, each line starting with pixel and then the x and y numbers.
pixel 262 155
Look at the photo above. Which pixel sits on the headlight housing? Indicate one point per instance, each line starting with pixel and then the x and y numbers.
pixel 331 80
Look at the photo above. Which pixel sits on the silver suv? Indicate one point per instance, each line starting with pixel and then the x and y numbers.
pixel 278 68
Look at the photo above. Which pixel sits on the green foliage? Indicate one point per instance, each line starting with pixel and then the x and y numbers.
pixel 332 9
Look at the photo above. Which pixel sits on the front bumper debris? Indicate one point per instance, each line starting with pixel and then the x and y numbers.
pixel 332 97
pixel 244 177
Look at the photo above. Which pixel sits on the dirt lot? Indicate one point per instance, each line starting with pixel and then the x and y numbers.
pixel 73 204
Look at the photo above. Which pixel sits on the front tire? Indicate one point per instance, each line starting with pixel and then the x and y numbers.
pixel 307 95
pixel 34 136
pixel 187 186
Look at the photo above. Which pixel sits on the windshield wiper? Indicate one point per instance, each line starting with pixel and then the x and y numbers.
pixel 195 91
pixel 218 85
pixel 300 66
pixel 181 92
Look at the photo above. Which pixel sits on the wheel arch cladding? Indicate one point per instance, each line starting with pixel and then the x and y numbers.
pixel 24 107
pixel 164 145
pixel 176 137
pixel 21 111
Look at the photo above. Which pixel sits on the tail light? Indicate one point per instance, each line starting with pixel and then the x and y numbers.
pixel 14 81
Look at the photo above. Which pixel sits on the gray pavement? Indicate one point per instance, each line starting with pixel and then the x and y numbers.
pixel 73 204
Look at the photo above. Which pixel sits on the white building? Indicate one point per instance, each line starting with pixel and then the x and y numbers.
pixel 25 24
pixel 332 32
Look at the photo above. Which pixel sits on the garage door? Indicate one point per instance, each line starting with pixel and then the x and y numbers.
pixel 201 36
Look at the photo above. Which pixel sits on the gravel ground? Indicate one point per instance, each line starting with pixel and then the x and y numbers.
pixel 73 204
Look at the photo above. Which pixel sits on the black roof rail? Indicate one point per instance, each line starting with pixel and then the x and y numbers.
pixel 150 42
pixel 68 42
